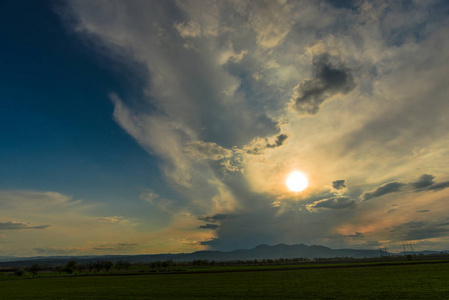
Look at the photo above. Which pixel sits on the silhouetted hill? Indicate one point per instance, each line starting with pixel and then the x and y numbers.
pixel 259 252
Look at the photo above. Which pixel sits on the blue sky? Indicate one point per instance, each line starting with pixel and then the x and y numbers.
pixel 58 133
pixel 148 126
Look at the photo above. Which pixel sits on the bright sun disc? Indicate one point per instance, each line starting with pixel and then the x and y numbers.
pixel 297 181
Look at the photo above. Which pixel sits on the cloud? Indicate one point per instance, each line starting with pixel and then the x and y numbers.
pixel 258 144
pixel 40 200
pixel 216 218
pixel 191 29
pixel 328 79
pixel 199 150
pixel 355 236
pixel 393 208
pixel 115 247
pixel 423 181
pixel 209 242
pixel 112 248
pixel 219 77
pixel 387 188
pixel 426 182
pixel 270 20
pixel 420 230
pixel 45 220
pixel 334 203
pixel 280 139
pixel 423 211
pixel 19 226
pixel 213 220
pixel 338 184
pixel 439 186
pixel 209 226
pixel 113 220
pixel 56 251
pixel 161 203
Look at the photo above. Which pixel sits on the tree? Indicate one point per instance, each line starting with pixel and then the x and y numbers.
pixel 98 266
pixel 107 265
pixel 91 266
pixel 71 267
pixel 34 269
pixel 82 268
pixel 165 265
pixel 58 269
pixel 118 265
pixel 153 265
pixel 126 265
pixel 122 265
pixel 19 272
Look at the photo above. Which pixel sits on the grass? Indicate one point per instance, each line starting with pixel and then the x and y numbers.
pixel 418 281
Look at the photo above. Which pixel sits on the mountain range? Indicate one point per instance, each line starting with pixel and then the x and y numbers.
pixel 259 252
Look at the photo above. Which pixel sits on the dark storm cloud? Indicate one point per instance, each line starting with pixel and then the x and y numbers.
pixel 426 182
pixel 209 226
pixel 338 184
pixel 334 203
pixel 279 141
pixel 328 80
pixel 423 181
pixel 439 186
pixel 19 226
pixel 216 218
pixel 421 230
pixel 208 243
pixel 387 188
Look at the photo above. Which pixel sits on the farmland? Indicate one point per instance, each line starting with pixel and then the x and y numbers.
pixel 393 281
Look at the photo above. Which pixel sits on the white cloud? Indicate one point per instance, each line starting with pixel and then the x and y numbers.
pixel 113 220
pixel 191 29
pixel 200 150
pixel 220 79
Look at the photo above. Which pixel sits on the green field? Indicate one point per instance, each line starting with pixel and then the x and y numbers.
pixel 417 281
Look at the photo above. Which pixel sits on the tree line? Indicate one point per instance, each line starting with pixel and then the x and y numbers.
pixel 73 267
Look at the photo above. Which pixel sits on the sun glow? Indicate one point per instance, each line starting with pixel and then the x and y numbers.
pixel 297 181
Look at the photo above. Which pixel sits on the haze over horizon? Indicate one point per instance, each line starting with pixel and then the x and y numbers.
pixel 132 127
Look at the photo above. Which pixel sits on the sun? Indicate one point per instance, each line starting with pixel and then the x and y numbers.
pixel 297 181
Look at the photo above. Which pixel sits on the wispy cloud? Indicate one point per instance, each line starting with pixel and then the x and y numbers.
pixel 113 220
pixel 334 203
pixel 20 226
pixel 424 183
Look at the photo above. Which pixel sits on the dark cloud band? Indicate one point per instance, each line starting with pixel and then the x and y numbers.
pixel 20 226
pixel 328 80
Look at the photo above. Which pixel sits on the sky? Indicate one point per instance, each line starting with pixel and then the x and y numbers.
pixel 142 127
